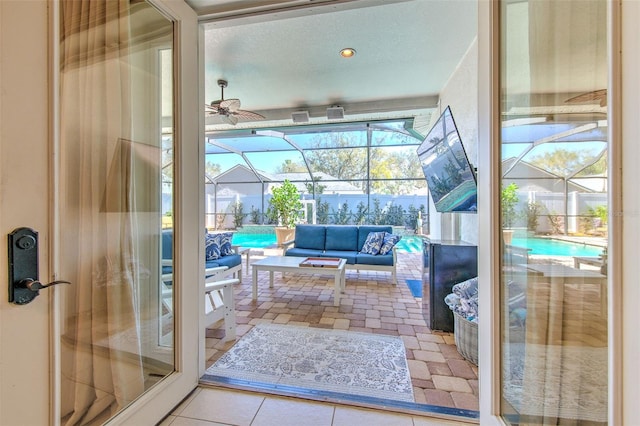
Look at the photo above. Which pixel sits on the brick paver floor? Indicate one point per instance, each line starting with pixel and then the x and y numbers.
pixel 371 304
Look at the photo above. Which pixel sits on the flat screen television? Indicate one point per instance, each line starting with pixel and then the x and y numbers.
pixel 450 177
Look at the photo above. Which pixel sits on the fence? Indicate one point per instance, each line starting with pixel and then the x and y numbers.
pixel 559 216
pixel 402 210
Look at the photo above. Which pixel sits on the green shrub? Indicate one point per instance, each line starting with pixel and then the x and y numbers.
pixel 508 202
pixel 255 215
pixel 360 216
pixel 238 214
pixel 322 212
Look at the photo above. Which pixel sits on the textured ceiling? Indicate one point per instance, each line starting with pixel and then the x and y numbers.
pixel 280 56
pixel 280 61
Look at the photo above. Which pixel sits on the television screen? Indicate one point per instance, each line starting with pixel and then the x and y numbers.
pixel 450 177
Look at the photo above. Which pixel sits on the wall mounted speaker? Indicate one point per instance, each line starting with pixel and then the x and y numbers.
pixel 300 116
pixel 335 113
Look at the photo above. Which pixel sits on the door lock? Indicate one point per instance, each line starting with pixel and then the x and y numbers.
pixel 23 267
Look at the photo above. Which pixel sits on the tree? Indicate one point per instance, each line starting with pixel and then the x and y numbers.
pixel 212 169
pixel 563 162
pixel 508 201
pixel 315 187
pixel 290 166
pixel 388 168
pixel 285 203
pixel 599 168
pixel 398 165
pixel 347 163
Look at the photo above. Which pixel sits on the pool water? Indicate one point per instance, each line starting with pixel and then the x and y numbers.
pixel 551 247
pixel 412 244
pixel 407 244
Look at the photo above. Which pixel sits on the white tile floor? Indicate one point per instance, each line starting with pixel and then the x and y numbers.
pixel 213 406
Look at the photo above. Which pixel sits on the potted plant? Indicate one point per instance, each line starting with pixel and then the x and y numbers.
pixel 285 205
pixel 508 202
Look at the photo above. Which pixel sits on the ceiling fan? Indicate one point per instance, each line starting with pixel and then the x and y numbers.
pixel 597 95
pixel 229 109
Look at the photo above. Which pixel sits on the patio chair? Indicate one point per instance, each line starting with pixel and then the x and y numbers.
pixel 218 297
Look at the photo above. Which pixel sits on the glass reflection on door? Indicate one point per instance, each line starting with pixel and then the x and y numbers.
pixel 115 199
pixel 554 211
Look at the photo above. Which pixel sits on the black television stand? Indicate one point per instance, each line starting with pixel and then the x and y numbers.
pixel 445 263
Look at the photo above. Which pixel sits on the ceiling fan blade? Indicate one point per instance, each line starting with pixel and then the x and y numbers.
pixel 248 114
pixel 596 95
pixel 211 109
pixel 230 104
pixel 231 119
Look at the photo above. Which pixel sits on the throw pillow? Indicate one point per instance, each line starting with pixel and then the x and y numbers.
pixel 211 247
pixel 466 289
pixel 389 242
pixel 373 243
pixel 225 243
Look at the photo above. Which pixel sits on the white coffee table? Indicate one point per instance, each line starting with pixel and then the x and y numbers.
pixel 292 264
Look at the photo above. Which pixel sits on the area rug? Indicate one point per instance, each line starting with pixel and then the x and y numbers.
pixel 338 361
pixel 557 381
pixel 415 286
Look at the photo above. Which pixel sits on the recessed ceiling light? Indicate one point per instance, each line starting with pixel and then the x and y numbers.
pixel 348 52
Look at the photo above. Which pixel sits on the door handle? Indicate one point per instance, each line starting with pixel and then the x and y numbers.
pixel 24 285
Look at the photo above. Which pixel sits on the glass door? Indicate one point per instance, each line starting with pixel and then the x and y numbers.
pixel 554 206
pixel 116 200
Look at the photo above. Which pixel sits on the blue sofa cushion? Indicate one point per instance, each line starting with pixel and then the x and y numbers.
pixel 389 242
pixel 369 259
pixel 349 255
pixel 363 232
pixel 310 237
pixel 342 237
pixel 230 260
pixel 303 252
pixel 373 243
pixel 211 263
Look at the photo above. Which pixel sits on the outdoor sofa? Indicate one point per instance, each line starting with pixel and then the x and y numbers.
pixel 347 242
pixel 230 259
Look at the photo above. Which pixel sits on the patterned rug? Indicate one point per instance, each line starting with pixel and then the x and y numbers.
pixel 558 382
pixel 338 361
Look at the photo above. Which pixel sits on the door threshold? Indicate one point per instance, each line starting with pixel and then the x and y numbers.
pixel 436 411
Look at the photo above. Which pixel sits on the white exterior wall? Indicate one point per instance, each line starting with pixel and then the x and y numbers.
pixel 461 94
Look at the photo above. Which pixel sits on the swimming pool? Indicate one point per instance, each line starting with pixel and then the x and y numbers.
pixel 551 247
pixel 409 244
pixel 413 244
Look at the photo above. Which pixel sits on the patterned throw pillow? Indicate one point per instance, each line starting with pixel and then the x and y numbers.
pixel 225 243
pixel 390 240
pixel 373 243
pixel 466 289
pixel 211 246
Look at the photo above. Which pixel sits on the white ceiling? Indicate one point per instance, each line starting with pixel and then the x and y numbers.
pixel 287 59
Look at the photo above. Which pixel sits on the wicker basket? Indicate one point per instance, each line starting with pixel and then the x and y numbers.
pixel 466 337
